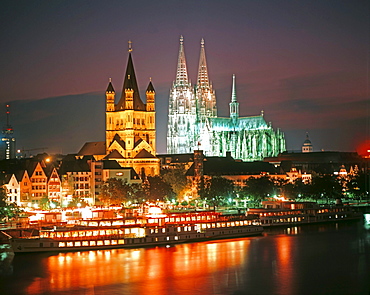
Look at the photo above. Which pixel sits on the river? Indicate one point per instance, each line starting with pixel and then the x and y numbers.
pixel 331 258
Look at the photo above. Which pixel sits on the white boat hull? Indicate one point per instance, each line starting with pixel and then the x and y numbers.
pixel 26 245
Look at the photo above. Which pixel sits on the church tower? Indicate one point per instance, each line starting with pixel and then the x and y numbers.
pixel 130 125
pixel 205 95
pixel 234 105
pixel 182 113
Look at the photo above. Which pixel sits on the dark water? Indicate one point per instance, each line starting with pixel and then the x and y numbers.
pixel 314 259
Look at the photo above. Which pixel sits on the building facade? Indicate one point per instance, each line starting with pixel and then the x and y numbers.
pixel 193 122
pixel 307 145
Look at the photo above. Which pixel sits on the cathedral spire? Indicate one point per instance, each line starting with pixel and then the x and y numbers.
pixel 205 95
pixel 233 94
pixel 202 80
pixel 234 105
pixel 182 73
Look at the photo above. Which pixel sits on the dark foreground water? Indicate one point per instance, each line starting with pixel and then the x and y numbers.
pixel 315 259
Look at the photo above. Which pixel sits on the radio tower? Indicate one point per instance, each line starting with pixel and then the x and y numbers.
pixel 7 144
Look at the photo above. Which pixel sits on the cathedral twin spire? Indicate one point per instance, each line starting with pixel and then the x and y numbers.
pixel 189 105
pixel 202 80
pixel 204 94
pixel 182 72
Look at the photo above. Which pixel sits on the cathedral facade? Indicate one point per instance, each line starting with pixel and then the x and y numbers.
pixel 193 123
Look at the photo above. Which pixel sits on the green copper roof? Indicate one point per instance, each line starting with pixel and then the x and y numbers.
pixel 226 124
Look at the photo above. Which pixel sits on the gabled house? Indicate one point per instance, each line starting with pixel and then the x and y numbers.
pixel 38 181
pixel 54 184
pixel 25 187
pixel 12 189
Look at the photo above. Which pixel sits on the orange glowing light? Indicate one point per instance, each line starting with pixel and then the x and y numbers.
pixel 155 212
pixel 364 149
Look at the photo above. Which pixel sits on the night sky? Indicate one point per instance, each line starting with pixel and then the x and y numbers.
pixel 304 63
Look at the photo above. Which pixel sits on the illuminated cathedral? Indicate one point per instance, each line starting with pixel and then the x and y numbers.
pixel 193 123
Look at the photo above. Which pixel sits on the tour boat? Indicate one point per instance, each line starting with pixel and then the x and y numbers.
pixel 137 232
pixel 277 213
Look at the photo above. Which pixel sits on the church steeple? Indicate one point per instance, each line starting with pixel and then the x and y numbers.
pixel 234 105
pixel 202 80
pixel 110 97
pixel 233 92
pixel 205 95
pixel 182 72
pixel 150 97
pixel 130 87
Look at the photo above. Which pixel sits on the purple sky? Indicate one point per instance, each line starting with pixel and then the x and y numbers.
pixel 305 63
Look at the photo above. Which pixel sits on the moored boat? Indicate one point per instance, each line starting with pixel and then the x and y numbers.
pixel 139 232
pixel 278 213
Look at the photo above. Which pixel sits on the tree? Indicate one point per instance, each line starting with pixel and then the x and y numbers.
pixel 159 189
pixel 44 203
pixel 358 186
pixel 282 187
pixel 176 177
pixel 325 187
pixel 3 204
pixel 258 189
pixel 301 189
pixel 217 190
pixel 7 210
pixel 77 201
pixel 114 191
pixel 136 193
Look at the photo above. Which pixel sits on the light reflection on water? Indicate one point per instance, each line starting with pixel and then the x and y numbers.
pixel 318 259
pixel 134 271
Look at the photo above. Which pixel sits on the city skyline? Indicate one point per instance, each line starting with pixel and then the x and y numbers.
pixel 305 65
